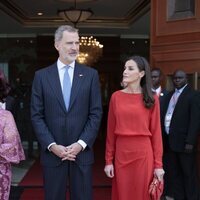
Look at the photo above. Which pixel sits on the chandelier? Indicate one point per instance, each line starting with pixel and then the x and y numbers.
pixel 75 15
pixel 90 50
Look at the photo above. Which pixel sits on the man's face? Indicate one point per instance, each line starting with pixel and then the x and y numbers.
pixel 68 47
pixel 179 79
pixel 156 78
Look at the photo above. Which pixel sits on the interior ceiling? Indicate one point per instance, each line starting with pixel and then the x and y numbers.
pixel 114 17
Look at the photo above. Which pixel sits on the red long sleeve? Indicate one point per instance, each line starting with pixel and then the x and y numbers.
pixel 128 116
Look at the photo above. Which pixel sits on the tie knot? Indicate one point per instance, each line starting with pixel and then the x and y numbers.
pixel 66 72
pixel 67 67
pixel 177 92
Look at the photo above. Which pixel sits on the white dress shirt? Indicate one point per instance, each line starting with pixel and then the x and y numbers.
pixel 157 91
pixel 3 105
pixel 61 70
pixel 171 107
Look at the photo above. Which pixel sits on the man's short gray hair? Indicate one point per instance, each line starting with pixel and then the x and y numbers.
pixel 59 32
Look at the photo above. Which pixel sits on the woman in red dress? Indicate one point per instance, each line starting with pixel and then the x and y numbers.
pixel 134 142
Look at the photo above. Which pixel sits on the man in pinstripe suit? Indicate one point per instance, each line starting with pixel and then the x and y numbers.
pixel 66 133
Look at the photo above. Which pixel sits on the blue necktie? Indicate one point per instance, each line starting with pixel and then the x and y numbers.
pixel 66 87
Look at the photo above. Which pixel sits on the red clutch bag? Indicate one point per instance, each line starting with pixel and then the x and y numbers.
pixel 156 189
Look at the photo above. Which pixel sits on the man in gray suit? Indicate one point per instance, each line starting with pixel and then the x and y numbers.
pixel 66 113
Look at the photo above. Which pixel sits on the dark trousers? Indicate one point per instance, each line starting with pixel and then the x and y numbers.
pixel 181 179
pixel 57 178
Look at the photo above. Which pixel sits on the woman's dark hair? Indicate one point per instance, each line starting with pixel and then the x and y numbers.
pixel 4 87
pixel 145 83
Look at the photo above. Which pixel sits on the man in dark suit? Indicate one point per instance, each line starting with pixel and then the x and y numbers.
pixel 66 113
pixel 156 76
pixel 10 104
pixel 180 126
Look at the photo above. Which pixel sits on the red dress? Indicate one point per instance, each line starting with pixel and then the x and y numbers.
pixel 133 145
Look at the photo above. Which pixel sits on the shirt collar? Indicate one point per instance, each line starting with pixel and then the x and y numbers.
pixel 181 89
pixel 61 65
pixel 157 91
pixel 2 105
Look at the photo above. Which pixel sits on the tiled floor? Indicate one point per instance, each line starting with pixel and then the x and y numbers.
pixel 19 170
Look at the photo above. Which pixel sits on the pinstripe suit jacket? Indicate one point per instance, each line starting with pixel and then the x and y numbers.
pixel 53 123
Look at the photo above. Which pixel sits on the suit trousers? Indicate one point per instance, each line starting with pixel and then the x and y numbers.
pixel 181 175
pixel 79 178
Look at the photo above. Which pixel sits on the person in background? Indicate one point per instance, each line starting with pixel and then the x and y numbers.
pixel 10 104
pixel 11 150
pixel 180 126
pixel 66 113
pixel 156 76
pixel 21 94
pixel 134 142
pixel 9 101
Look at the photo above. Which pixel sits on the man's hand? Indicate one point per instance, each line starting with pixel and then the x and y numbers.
pixel 58 150
pixel 188 148
pixel 72 151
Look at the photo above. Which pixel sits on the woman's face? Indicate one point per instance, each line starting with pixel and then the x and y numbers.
pixel 131 72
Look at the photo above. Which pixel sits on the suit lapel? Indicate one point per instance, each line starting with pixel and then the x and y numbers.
pixel 54 82
pixel 182 95
pixel 77 81
pixel 166 104
pixel 179 101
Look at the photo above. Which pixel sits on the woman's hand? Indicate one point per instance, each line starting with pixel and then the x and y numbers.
pixel 159 173
pixel 109 170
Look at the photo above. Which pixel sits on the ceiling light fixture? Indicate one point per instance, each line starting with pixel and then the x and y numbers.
pixel 39 13
pixel 90 50
pixel 75 15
